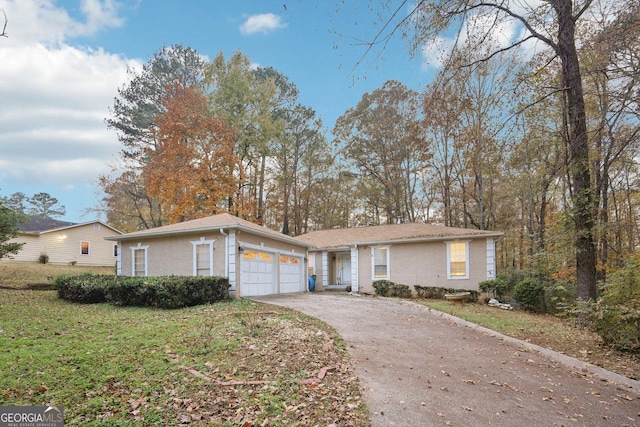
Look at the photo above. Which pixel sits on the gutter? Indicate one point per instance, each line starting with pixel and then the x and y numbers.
pixel 285 239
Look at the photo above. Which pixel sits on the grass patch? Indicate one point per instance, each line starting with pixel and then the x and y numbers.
pixel 547 331
pixel 137 366
pixel 22 275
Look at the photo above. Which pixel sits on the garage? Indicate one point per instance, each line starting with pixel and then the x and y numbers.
pixel 257 274
pixel 291 279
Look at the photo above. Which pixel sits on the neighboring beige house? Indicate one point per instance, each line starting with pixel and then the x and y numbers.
pixel 66 243
pixel 257 261
pixel 410 254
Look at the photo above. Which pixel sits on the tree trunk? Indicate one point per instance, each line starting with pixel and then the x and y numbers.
pixel 579 148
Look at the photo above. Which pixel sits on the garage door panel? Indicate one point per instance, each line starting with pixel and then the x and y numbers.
pixel 291 274
pixel 257 276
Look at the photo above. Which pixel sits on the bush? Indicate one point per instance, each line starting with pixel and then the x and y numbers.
pixel 43 259
pixel 495 287
pixel 382 287
pixel 162 292
pixel 386 288
pixel 559 296
pixel 617 313
pixel 86 288
pixel 530 293
pixel 400 291
pixel 513 276
pixel 432 292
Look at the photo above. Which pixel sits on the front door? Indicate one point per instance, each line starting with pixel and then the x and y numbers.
pixel 343 269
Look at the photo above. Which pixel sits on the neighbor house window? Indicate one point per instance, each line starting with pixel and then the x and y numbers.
pixel 84 248
pixel 380 263
pixel 458 260
pixel 203 257
pixel 139 261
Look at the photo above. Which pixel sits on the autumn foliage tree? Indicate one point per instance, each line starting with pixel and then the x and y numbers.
pixel 191 172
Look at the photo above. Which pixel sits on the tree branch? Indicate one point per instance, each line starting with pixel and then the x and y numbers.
pixel 584 8
pixel 522 20
pixel 499 51
pixel 4 28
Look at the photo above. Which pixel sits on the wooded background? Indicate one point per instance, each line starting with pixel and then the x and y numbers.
pixel 493 142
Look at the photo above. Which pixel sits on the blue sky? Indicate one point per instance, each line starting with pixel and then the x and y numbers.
pixel 64 60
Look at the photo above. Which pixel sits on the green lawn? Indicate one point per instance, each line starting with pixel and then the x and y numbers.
pixel 26 274
pixel 131 366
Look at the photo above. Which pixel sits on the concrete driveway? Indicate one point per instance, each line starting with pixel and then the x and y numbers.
pixel 420 367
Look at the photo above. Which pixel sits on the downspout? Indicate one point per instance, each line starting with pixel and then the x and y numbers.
pixel 357 275
pixel 226 254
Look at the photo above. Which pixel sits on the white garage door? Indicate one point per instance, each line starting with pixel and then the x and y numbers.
pixel 291 274
pixel 257 274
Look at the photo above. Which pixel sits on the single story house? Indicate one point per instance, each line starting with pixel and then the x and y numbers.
pixel 66 242
pixel 410 254
pixel 257 261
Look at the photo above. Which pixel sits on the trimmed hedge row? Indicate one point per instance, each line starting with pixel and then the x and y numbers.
pixel 432 292
pixel 386 288
pixel 163 292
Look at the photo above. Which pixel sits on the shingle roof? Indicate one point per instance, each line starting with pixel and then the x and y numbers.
pixel 378 234
pixel 37 224
pixel 215 222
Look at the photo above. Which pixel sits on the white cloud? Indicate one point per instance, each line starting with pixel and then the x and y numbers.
pixel 436 52
pixel 42 21
pixel 54 97
pixel 263 23
pixel 479 27
pixel 54 105
pixel 100 15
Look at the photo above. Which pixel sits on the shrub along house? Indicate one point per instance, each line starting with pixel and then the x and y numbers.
pixel 257 261
pixel 409 254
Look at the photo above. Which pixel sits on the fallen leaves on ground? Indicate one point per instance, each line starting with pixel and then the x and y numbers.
pixel 284 370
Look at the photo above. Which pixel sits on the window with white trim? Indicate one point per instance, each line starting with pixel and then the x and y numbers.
pixel 139 261
pixel 458 260
pixel 203 257
pixel 84 248
pixel 380 264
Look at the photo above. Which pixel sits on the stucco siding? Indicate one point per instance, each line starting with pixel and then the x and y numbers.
pixel 253 240
pixel 64 246
pixel 173 255
pixel 424 264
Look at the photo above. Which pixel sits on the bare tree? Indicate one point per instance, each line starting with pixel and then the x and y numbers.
pixel 552 23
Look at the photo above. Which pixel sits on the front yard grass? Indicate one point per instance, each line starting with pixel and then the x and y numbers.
pixel 232 364
pixel 22 275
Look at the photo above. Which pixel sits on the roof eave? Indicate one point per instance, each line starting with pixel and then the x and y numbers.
pixel 412 240
pixel 79 225
pixel 240 227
